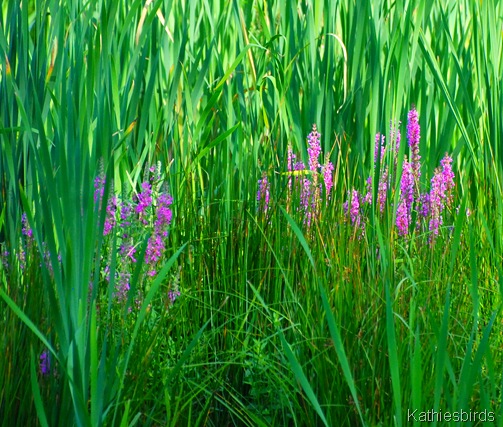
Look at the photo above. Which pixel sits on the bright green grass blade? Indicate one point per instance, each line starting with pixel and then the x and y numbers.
pixel 126 414
pixel 19 313
pixel 417 373
pixel 441 359
pixel 296 368
pixel 96 399
pixel 186 353
pixel 301 377
pixel 143 312
pixel 300 236
pixel 341 352
pixel 394 362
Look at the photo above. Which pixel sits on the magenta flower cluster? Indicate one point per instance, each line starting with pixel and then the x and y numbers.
pixel 428 208
pixel 310 183
pixel 149 211
pixel 263 193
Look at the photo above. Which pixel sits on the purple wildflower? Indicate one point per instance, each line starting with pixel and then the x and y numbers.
pixel 122 287
pixel 368 195
pixel 99 188
pixel 379 144
pixel 173 295
pixel 22 258
pixel 299 166
pixel 263 193
pixel 382 190
pixel 447 176
pixel 308 201
pixel 155 248
pixel 402 219
pixel 26 230
pixel 126 209
pixel 354 210
pixel 314 149
pixel 413 136
pixel 424 205
pixel 437 198
pixel 327 171
pixel 5 259
pixel 144 198
pixel 407 185
pixel 395 137
pixel 110 217
pixel 314 194
pixel 164 214
pixel 45 363
pixel 291 158
pixel 406 199
pixel 126 249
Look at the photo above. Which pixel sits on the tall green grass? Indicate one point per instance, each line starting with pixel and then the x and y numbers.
pixel 276 324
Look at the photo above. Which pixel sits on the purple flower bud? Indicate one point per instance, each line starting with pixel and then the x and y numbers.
pixel 327 171
pixel 144 198
pixel 45 363
pixel 413 135
pixel 379 143
pixel 314 149
pixel 263 193
pixel 27 231
pixel 402 219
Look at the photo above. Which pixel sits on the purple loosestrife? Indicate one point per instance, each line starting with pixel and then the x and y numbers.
pixel 127 249
pixel 423 208
pixel 263 193
pixel 155 248
pixel 402 219
pixel 442 184
pixel 313 195
pixel 314 149
pixel 406 199
pixel 354 208
pixel 45 363
pixel 22 258
pixel 379 144
pixel 407 185
pixel 437 196
pixel 447 177
pixel 307 201
pixel 299 166
pixel 413 136
pixel 5 258
pixel 126 210
pixel 327 171
pixel 368 195
pixel 144 200
pixel 382 190
pixel 26 230
pixel 173 295
pixel 99 188
pixel 122 287
pixel 305 194
pixel 395 137
pixel 164 214
pixel 110 217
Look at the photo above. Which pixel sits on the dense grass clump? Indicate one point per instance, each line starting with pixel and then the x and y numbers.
pixel 180 245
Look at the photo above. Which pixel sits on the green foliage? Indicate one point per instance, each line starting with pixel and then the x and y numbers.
pixel 278 323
